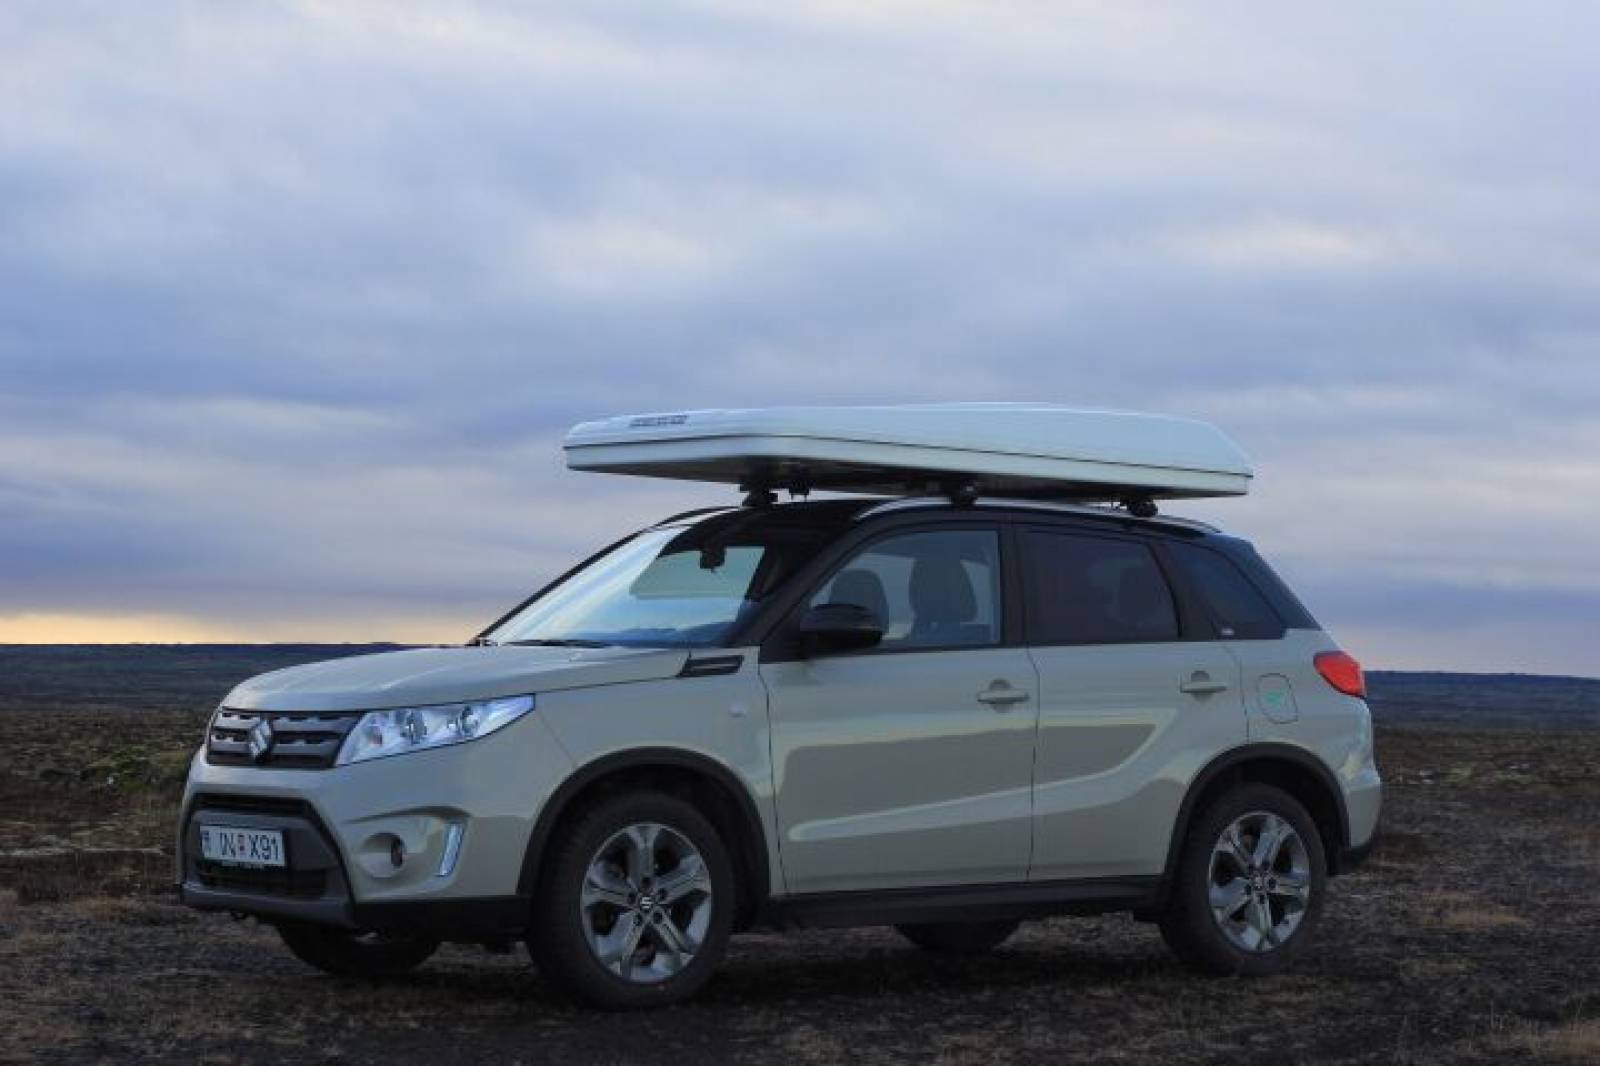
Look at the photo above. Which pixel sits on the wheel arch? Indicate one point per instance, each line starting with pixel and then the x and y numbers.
pixel 1295 770
pixel 712 786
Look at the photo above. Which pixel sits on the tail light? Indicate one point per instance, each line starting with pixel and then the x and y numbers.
pixel 1342 672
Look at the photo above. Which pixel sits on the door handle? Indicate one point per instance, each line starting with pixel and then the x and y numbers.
pixel 1202 685
pixel 1001 695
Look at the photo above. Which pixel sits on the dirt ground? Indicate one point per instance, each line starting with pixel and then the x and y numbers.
pixel 1472 936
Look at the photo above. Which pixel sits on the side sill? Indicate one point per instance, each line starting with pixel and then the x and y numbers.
pixel 839 910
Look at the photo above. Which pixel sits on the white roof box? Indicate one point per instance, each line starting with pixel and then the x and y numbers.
pixel 991 449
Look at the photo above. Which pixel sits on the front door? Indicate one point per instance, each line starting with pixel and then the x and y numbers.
pixel 909 764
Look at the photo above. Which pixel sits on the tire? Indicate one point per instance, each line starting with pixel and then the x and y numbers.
pixel 959 938
pixel 1229 933
pixel 351 954
pixel 601 896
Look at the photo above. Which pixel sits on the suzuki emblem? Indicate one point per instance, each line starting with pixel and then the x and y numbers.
pixel 260 739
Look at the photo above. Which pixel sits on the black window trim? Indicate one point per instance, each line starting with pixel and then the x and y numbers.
pixel 1193 624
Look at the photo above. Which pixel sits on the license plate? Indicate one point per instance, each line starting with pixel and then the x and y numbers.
pixel 236 846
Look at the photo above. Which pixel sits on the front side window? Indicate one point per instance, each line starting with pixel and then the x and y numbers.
pixel 937 589
pixel 1096 590
pixel 675 586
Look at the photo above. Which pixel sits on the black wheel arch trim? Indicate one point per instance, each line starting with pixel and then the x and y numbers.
pixel 561 799
pixel 1234 758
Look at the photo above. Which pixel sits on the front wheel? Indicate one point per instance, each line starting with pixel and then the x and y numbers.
pixel 352 954
pixel 637 904
pixel 1249 884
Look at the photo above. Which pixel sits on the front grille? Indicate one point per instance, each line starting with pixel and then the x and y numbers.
pixel 248 804
pixel 300 740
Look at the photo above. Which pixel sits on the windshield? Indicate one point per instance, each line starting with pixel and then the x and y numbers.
pixel 675 586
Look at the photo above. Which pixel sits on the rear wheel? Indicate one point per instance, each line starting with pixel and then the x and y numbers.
pixel 1249 884
pixel 637 904
pixel 959 938
pixel 352 954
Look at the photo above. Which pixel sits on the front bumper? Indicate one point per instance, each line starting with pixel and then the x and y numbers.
pixel 313 888
pixel 341 825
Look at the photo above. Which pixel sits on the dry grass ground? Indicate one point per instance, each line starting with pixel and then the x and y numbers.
pixel 1472 936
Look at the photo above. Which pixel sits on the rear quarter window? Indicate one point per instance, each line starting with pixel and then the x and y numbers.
pixel 1239 608
pixel 1273 587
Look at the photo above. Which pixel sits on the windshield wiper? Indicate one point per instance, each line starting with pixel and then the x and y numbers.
pixel 556 642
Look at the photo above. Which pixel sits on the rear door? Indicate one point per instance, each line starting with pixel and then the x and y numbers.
pixel 1132 701
pixel 910 764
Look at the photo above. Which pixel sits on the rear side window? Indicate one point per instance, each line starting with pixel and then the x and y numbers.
pixel 1239 608
pixel 1095 590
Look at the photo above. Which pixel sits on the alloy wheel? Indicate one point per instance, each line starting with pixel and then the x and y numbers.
pixel 1260 881
pixel 646 903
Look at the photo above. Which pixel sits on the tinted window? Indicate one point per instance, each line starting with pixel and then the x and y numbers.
pixel 1094 590
pixel 1285 602
pixel 930 590
pixel 1240 610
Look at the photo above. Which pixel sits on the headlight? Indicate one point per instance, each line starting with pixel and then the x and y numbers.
pixel 405 729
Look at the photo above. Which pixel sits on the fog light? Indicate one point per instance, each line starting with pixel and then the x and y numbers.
pixel 397 853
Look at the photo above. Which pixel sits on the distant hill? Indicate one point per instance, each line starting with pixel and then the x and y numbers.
pixel 1487 701
pixel 177 676
pixel 139 677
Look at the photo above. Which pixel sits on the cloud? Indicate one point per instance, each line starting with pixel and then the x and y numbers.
pixel 297 300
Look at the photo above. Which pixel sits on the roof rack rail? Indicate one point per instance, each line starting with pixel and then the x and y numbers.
pixel 908 503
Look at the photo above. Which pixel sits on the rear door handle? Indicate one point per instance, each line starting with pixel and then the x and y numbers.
pixel 1202 685
pixel 1001 695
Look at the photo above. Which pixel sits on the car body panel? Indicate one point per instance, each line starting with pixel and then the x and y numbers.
pixel 722 718
pixel 891 774
pixel 1335 727
pixel 492 786
pixel 1118 745
pixel 423 676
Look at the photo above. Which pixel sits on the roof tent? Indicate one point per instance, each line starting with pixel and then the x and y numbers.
pixel 1039 451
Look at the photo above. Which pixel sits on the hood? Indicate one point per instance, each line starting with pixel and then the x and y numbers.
pixel 448 675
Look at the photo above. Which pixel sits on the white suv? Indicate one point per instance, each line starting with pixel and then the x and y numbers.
pixel 945 715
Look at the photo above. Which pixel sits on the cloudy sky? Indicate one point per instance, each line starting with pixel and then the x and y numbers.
pixel 297 300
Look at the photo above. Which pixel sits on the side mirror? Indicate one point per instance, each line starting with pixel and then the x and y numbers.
pixel 832 627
